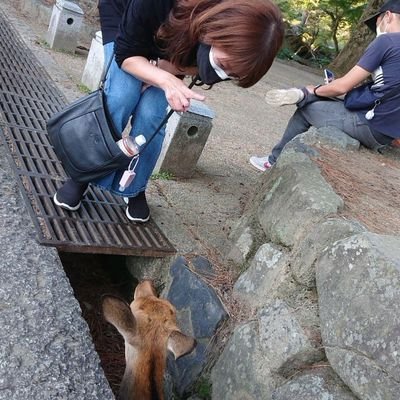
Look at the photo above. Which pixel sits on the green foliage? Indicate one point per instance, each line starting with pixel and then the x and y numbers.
pixel 203 388
pixel 42 43
pixel 83 88
pixel 318 29
pixel 163 175
pixel 285 53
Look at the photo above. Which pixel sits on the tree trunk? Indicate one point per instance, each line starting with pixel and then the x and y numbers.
pixel 359 40
pixel 335 27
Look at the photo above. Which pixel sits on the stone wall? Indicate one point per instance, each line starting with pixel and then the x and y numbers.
pixel 324 291
pixel 321 290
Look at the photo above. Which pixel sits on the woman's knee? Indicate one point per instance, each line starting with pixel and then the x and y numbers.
pixel 121 86
pixel 152 105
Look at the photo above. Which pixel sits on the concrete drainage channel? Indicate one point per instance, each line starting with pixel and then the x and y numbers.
pixel 92 276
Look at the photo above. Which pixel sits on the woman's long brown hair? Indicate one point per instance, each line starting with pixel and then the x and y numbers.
pixel 249 31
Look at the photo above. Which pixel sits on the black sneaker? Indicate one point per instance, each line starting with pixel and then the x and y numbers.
pixel 69 195
pixel 138 210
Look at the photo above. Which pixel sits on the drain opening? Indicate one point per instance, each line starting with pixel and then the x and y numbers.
pixel 91 276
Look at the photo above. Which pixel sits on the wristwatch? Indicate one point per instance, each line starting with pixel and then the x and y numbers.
pixel 315 89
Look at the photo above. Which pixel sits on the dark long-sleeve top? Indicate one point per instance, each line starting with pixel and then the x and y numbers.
pixel 140 22
pixel 111 12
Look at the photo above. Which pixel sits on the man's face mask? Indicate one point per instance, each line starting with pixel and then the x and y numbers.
pixel 210 72
pixel 378 28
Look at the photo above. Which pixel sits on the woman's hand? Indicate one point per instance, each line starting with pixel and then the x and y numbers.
pixel 178 94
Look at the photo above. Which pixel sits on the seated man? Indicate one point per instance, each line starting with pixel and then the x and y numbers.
pixel 317 107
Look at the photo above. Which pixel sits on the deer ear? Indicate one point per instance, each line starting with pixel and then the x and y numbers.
pixel 145 289
pixel 118 313
pixel 179 344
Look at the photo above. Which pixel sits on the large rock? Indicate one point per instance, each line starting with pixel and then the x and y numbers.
pixel 269 278
pixel 315 384
pixel 329 136
pixel 155 269
pixel 296 197
pixel 235 376
pixel 266 272
pixel 284 342
pixel 260 353
pixel 358 282
pixel 199 313
pixel 245 236
pixel 306 253
pixel 242 239
pixel 291 197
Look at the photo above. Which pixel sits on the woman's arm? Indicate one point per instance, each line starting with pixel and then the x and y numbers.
pixel 167 66
pixel 177 93
pixel 135 46
pixel 342 85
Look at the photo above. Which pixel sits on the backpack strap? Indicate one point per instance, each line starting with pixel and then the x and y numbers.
pixel 105 72
pixel 391 93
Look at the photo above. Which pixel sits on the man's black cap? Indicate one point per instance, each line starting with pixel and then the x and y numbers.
pixel 390 5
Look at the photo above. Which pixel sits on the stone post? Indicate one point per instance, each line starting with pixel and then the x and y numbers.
pixel 65 23
pixel 94 64
pixel 185 137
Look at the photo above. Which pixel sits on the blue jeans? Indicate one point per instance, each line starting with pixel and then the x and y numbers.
pixel 124 99
pixel 312 111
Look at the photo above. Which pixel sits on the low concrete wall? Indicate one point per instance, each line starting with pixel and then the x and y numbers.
pixel 46 351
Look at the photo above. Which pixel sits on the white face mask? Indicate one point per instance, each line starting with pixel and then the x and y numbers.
pixel 219 71
pixel 378 29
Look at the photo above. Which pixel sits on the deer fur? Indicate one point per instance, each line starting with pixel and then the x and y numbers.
pixel 148 326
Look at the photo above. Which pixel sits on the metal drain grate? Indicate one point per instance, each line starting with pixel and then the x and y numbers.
pixel 28 98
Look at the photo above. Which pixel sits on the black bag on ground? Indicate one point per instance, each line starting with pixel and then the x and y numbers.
pixel 84 139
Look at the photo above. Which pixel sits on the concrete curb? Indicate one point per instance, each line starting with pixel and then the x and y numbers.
pixel 45 345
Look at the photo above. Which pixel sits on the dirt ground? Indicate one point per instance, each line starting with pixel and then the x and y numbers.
pixel 369 185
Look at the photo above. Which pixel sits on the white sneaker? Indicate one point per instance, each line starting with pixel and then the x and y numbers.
pixel 281 97
pixel 261 163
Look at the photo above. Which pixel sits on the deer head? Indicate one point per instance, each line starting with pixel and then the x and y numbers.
pixel 148 326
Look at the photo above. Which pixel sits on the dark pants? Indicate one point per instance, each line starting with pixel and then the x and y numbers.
pixel 312 111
